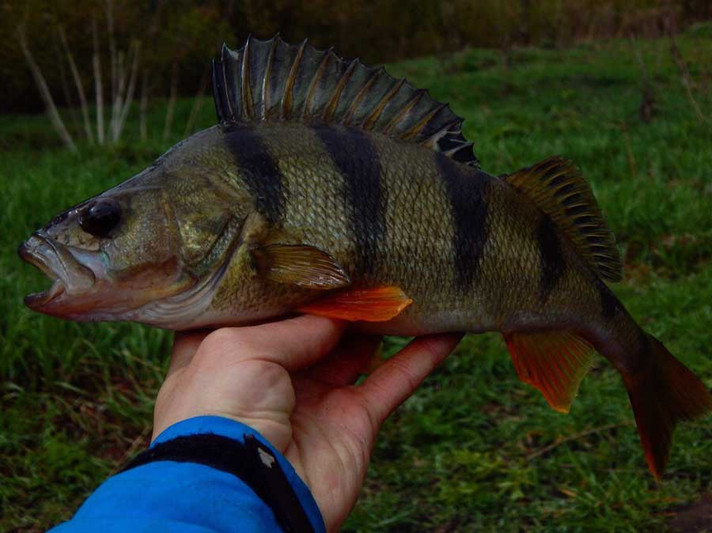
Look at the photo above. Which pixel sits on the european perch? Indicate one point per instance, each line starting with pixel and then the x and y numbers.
pixel 329 187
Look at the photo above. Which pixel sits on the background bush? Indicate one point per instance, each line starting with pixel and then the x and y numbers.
pixel 187 32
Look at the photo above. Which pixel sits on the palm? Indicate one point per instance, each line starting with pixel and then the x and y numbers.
pixel 332 438
pixel 329 434
pixel 293 381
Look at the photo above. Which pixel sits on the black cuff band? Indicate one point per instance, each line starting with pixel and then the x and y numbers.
pixel 252 462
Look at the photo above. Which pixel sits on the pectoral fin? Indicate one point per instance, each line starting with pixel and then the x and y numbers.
pixel 302 265
pixel 554 362
pixel 370 305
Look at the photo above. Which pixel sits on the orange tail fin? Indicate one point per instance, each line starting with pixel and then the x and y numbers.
pixel 665 392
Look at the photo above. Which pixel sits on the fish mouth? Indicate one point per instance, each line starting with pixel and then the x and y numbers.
pixel 58 263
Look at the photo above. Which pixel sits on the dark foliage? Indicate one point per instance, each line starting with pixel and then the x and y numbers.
pixel 188 32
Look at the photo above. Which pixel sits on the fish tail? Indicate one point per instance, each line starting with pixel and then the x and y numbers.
pixel 662 391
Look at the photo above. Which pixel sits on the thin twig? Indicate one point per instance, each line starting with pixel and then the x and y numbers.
pixel 116 98
pixel 128 98
pixel 96 62
pixel 71 116
pixel 556 443
pixel 143 106
pixel 45 93
pixel 171 101
pixel 116 105
pixel 78 82
pixel 632 164
pixel 112 47
pixel 687 82
pixel 135 445
pixel 197 103
pixel 646 111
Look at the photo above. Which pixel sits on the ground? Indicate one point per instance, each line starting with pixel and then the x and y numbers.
pixel 474 449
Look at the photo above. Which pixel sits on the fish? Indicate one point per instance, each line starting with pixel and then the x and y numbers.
pixel 329 187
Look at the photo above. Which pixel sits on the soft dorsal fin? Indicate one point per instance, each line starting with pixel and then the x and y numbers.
pixel 559 190
pixel 274 81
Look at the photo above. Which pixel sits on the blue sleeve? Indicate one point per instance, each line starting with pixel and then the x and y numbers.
pixel 184 497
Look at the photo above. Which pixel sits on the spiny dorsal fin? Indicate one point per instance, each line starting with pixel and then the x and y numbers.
pixel 274 81
pixel 559 190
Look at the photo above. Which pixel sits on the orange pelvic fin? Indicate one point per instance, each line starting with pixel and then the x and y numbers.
pixel 554 362
pixel 370 305
pixel 663 392
pixel 302 265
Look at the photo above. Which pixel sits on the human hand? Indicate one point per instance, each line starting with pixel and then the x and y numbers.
pixel 293 381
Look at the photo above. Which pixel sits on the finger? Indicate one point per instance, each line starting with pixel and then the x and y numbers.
pixel 185 344
pixel 349 359
pixel 394 381
pixel 293 343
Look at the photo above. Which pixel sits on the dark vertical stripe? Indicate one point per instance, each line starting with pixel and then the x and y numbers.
pixel 259 171
pixel 359 164
pixel 644 341
pixel 610 305
pixel 467 193
pixel 550 255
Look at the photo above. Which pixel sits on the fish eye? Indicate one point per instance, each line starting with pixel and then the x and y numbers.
pixel 101 217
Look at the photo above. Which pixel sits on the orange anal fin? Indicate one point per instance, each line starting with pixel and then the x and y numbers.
pixel 370 305
pixel 554 362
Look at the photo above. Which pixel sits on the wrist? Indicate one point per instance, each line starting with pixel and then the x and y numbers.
pixel 256 393
pixel 277 432
pixel 231 446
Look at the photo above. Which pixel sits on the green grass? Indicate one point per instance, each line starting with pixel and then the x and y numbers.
pixel 474 450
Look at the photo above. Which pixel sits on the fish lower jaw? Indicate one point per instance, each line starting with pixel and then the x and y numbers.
pixel 40 299
pixel 40 261
pixel 57 262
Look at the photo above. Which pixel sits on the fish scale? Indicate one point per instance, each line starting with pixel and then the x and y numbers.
pixel 453 264
pixel 401 257
pixel 363 190
pixel 330 188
